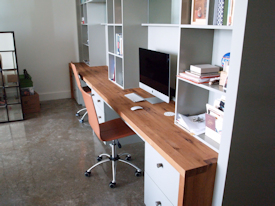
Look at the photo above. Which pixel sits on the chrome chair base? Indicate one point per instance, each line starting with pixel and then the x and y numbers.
pixel 81 120
pixel 114 158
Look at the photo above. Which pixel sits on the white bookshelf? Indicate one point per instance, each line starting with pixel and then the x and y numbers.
pixel 92 46
pixel 125 17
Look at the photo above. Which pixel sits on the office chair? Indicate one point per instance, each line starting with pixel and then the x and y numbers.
pixel 81 120
pixel 86 89
pixel 108 131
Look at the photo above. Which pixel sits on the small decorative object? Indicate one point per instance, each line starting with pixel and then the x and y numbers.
pixel 199 12
pixel 225 58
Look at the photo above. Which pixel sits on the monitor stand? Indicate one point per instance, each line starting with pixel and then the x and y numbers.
pixel 153 100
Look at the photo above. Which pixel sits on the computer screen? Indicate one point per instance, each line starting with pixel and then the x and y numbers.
pixel 154 68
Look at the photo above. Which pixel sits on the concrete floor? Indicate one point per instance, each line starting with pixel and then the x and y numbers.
pixel 43 160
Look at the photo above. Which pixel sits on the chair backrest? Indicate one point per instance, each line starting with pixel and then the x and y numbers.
pixel 89 103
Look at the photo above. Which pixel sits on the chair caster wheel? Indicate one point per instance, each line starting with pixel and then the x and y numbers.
pixel 99 158
pixel 112 185
pixel 128 158
pixel 77 114
pixel 87 174
pixel 138 174
pixel 81 120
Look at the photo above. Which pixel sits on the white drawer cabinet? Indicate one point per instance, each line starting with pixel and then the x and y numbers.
pixel 162 174
pixel 104 113
pixel 153 196
pixel 99 106
pixel 100 114
pixel 98 101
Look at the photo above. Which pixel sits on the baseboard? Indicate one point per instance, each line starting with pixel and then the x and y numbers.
pixel 54 95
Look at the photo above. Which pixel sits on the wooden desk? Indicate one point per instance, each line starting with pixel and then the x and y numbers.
pixel 195 162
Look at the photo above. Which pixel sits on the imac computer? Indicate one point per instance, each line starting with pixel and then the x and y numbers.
pixel 154 75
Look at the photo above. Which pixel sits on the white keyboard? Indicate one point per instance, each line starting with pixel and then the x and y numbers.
pixel 134 97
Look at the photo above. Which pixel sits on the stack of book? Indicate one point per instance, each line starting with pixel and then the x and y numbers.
pixel 200 74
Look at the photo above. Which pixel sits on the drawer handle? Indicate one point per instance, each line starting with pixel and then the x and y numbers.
pixel 92 95
pixel 99 117
pixel 159 165
pixel 98 100
pixel 158 203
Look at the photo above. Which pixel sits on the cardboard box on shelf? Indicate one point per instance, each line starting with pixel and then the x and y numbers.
pixel 31 104
pixel 12 78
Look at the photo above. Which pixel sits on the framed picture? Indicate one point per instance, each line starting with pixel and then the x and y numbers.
pixel 199 12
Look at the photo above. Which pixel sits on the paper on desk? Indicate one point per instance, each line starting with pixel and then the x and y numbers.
pixel 194 127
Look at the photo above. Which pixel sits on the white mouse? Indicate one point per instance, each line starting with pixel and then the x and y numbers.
pixel 136 107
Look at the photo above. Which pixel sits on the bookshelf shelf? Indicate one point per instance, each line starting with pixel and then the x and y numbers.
pixel 213 88
pixel 11 85
pixel 114 24
pixel 159 25
pixel 116 55
pixel 204 139
pixel 189 26
pixel 11 69
pixel 96 1
pixel 92 1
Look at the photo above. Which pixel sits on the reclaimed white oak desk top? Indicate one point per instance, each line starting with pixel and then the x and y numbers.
pixel 195 161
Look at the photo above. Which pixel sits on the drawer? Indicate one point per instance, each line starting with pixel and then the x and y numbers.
pixel 153 196
pixel 98 101
pixel 100 114
pixel 162 173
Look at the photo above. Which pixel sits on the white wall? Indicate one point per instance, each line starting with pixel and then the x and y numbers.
pixel 166 39
pixel 46 41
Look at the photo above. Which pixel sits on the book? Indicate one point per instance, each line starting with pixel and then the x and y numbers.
pixel 215 12
pixel 230 13
pixel 204 68
pixel 194 79
pixel 220 12
pixel 186 12
pixel 213 127
pixel 202 76
pixel 212 13
pixel 119 44
pixel 225 12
